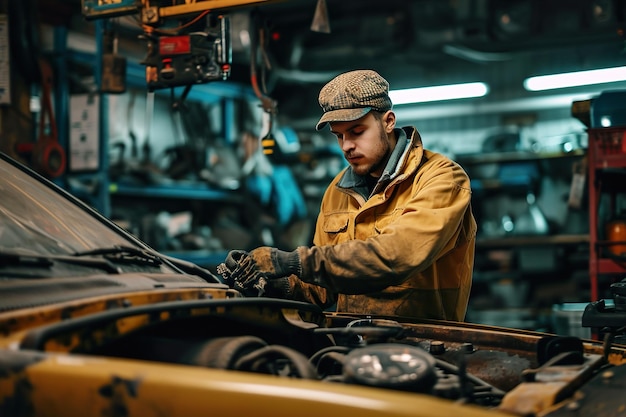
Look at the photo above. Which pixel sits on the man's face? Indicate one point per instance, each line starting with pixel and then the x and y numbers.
pixel 366 142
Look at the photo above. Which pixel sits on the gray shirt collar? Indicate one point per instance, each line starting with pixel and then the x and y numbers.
pixel 358 183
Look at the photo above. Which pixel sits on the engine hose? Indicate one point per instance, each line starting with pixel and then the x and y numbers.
pixel 317 356
pixel 223 352
pixel 259 359
pixel 330 363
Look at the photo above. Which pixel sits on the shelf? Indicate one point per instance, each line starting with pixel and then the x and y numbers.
pixel 174 191
pixel 516 156
pixel 522 182
pixel 514 241
pixel 203 258
pixel 211 92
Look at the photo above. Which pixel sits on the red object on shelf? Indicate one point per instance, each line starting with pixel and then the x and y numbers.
pixel 607 142
pixel 606 153
pixel 616 233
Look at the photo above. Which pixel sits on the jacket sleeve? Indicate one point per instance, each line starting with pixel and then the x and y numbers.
pixel 302 291
pixel 429 226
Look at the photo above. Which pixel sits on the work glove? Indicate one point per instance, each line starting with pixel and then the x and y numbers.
pixel 275 263
pixel 240 272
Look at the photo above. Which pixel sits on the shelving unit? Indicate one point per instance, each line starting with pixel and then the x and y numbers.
pixel 196 191
pixel 517 175
pixel 107 194
pixel 532 241
pixel 124 194
pixel 520 271
pixel 607 173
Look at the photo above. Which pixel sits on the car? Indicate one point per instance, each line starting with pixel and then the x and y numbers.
pixel 94 322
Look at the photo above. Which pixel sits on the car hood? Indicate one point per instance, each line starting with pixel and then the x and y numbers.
pixel 21 293
pixel 199 349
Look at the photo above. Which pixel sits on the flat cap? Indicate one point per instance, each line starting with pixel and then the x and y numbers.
pixel 351 95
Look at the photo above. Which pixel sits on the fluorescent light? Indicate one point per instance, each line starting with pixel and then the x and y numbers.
pixel 437 93
pixel 575 79
pixel 441 110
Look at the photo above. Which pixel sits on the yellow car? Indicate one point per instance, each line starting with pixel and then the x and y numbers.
pixel 93 322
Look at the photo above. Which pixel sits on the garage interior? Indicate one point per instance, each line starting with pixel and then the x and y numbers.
pixel 176 164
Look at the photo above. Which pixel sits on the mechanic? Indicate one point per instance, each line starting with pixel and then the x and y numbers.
pixel 395 234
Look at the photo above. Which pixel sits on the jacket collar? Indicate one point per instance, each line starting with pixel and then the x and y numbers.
pixel 407 139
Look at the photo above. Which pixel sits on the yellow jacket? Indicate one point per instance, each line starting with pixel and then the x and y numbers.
pixel 407 250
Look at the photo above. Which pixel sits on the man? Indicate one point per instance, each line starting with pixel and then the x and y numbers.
pixel 395 234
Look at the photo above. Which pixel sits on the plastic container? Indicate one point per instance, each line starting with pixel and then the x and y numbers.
pixel 567 320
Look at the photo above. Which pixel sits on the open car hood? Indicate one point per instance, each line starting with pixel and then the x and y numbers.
pixel 201 351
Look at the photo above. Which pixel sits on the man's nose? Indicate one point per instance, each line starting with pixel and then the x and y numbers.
pixel 347 145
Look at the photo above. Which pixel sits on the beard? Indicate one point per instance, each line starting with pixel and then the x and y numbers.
pixel 380 156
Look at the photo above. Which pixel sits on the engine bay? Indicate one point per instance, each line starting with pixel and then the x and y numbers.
pixel 521 372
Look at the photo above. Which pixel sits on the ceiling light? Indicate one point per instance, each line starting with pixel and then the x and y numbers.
pixel 438 93
pixel 458 109
pixel 575 79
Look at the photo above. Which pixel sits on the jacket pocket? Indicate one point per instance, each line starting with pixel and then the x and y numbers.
pixel 334 229
pixel 335 223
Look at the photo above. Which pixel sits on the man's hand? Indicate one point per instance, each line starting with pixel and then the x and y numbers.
pixel 275 263
pixel 241 272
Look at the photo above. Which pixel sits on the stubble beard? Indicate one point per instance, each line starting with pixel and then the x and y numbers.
pixel 382 155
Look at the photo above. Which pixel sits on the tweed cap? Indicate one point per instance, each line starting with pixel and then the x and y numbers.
pixel 351 95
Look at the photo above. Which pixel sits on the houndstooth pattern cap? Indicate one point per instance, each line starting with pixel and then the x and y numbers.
pixel 352 95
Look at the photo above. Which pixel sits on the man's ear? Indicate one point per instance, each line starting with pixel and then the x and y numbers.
pixel 389 121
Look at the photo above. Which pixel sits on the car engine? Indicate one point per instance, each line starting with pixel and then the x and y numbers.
pixel 516 371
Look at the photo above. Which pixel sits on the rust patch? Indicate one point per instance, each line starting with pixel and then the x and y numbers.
pixel 117 394
pixel 13 367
